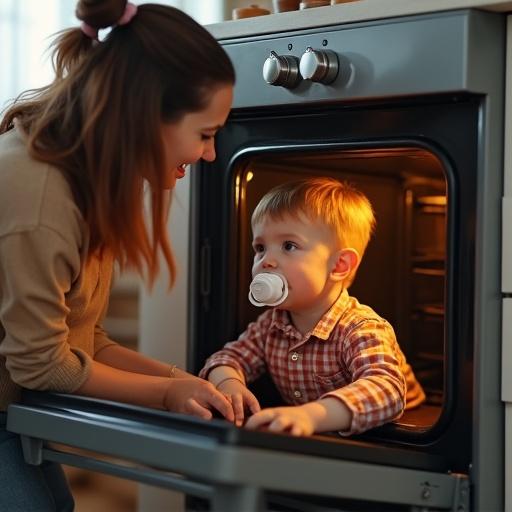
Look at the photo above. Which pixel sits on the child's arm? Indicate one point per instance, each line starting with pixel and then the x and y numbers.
pixel 224 373
pixel 324 415
pixel 240 361
pixel 231 383
pixel 247 354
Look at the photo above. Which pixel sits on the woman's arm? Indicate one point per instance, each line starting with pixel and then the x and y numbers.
pixel 129 360
pixel 183 395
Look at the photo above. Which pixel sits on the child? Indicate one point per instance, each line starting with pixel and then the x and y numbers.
pixel 335 361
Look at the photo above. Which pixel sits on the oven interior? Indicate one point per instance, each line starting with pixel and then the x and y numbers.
pixel 402 275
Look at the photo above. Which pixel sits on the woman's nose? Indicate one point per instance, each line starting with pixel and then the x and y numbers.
pixel 209 151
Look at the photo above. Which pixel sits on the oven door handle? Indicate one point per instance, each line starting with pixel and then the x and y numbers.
pixel 35 452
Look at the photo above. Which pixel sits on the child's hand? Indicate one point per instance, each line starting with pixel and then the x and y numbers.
pixel 296 420
pixel 241 398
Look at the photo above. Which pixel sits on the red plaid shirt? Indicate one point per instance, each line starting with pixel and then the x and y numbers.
pixel 352 354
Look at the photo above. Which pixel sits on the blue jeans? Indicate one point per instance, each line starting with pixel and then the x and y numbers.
pixel 27 488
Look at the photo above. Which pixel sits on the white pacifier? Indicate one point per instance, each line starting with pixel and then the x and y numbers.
pixel 268 289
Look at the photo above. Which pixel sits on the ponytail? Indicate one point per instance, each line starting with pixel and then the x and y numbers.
pixel 100 120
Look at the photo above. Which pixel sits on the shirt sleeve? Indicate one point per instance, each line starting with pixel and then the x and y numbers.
pixel 376 394
pixel 247 354
pixel 37 268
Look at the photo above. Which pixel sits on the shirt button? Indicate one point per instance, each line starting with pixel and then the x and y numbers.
pixel 295 356
pixel 297 393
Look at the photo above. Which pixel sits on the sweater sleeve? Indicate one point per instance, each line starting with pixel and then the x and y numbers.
pixel 37 268
pixel 101 337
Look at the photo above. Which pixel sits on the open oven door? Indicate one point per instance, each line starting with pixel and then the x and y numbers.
pixel 235 469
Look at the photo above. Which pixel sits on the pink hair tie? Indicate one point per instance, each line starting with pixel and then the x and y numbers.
pixel 89 31
pixel 129 12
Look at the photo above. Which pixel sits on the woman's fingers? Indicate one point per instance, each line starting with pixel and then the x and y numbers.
pixel 204 398
pixel 196 409
pixel 221 403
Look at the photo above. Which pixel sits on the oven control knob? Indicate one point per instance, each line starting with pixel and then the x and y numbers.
pixel 319 65
pixel 281 70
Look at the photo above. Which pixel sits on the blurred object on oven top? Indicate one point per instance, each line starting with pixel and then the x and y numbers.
pixel 285 5
pixel 249 12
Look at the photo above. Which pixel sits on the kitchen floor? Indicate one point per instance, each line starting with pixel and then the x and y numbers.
pixel 96 491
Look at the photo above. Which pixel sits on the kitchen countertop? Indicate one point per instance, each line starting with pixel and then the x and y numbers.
pixel 360 10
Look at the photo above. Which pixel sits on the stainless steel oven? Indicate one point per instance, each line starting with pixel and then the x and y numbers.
pixel 410 109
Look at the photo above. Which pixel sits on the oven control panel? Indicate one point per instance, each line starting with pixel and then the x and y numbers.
pixel 288 71
pixel 408 56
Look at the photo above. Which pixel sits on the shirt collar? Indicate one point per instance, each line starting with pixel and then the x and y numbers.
pixel 323 329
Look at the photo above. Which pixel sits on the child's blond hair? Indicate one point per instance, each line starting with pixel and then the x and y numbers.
pixel 339 205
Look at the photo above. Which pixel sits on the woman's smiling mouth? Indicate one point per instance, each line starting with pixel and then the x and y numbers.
pixel 180 171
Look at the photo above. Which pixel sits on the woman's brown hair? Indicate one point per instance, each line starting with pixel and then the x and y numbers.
pixel 100 120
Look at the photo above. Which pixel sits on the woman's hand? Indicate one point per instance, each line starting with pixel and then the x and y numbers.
pixel 196 397
pixel 296 420
pixel 240 397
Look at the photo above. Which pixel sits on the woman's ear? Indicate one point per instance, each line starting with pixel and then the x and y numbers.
pixel 347 260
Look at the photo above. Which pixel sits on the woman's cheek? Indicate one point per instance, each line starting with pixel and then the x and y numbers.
pixel 195 154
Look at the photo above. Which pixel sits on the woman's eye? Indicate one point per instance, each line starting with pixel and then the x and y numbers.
pixel 289 246
pixel 204 136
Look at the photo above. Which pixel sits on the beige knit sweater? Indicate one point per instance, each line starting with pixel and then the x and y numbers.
pixel 51 299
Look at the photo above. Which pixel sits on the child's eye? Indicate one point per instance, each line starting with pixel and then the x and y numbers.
pixel 289 246
pixel 258 248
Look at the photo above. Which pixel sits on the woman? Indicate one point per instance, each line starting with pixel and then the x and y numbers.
pixel 126 113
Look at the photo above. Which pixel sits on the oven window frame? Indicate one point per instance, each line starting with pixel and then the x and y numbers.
pixel 237 167
pixel 243 136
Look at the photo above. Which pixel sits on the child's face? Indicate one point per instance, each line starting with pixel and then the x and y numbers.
pixel 301 250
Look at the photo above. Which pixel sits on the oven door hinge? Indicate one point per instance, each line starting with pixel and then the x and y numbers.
pixel 461 495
